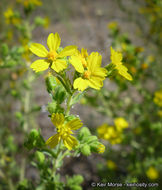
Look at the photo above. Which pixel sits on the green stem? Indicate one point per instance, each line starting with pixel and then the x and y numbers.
pixel 64 84
pixel 68 105
pixel 56 160
pixel 26 124
pixel 22 170
pixel 64 154
pixel 49 151
pixel 11 187
pixel 61 79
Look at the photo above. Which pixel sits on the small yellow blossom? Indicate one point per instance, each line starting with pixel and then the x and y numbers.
pixel 10 17
pixel 46 22
pixel 158 98
pixel 53 58
pixel 101 148
pixel 64 131
pixel 28 3
pixel 112 25
pixel 139 49
pixel 89 67
pixel 26 54
pixel 124 46
pixel 83 56
pixel 152 173
pixel 8 14
pixel 111 165
pixel 120 123
pixel 144 66
pixel 116 59
pixel 159 113
pixel 109 133
pixel 133 70
pixel 150 58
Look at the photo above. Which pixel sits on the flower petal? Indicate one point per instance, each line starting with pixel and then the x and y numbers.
pixel 39 65
pixel 77 63
pixel 38 49
pixel 116 57
pixel 84 53
pixel 59 65
pixel 53 141
pixel 74 124
pixel 95 83
pixel 53 41
pixel 70 142
pixel 94 61
pixel 123 71
pixel 68 51
pixel 80 84
pixel 100 72
pixel 57 119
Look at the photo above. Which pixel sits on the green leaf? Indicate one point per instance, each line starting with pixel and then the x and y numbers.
pixel 40 157
pixel 77 98
pixel 84 132
pixel 85 150
pixel 51 83
pixel 59 94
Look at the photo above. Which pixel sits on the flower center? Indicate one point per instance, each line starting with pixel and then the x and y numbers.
pixel 52 55
pixel 64 131
pixel 87 74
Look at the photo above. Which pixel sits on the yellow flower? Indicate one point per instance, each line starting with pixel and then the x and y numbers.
pixel 92 75
pixel 26 54
pixel 109 133
pixel 64 131
pixel 144 66
pixel 101 148
pixel 83 56
pixel 46 22
pixel 8 13
pixel 112 25
pixel 159 113
pixel 120 123
pixel 111 165
pixel 116 140
pixel 152 173
pixel 150 58
pixel 105 131
pixel 116 59
pixel 10 17
pixel 133 70
pixel 158 98
pixel 27 3
pixel 53 58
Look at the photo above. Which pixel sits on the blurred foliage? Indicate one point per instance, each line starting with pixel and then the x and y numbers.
pixel 138 103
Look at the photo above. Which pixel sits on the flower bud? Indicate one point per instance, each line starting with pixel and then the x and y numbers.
pixel 85 150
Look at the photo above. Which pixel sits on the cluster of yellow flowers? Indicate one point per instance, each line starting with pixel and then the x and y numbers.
pixel 11 17
pixel 89 72
pixel 158 98
pixel 113 133
pixel 111 165
pixel 28 3
pixel 158 101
